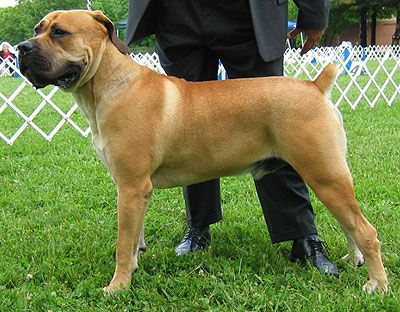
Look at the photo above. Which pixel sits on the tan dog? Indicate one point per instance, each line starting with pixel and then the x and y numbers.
pixel 153 131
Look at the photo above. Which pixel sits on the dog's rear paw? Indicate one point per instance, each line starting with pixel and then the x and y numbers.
pixel 356 259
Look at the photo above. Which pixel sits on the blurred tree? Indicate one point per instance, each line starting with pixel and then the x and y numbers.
pixel 396 35
pixel 363 11
pixel 380 9
pixel 17 22
pixel 116 10
pixel 347 12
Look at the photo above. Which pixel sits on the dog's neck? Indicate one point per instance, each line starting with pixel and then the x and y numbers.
pixel 113 76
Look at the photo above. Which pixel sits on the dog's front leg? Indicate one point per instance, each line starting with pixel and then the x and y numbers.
pixel 132 202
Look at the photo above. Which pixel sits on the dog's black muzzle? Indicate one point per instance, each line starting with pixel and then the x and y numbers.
pixel 35 64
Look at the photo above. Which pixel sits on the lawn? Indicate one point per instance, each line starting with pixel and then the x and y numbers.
pixel 58 230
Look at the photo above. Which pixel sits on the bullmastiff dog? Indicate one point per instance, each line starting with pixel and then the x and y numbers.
pixel 153 131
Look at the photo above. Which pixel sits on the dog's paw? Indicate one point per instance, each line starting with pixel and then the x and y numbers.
pixel 117 285
pixel 112 290
pixel 108 291
pixel 374 285
pixel 355 259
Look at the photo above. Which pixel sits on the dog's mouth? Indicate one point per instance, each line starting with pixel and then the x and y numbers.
pixel 39 73
pixel 68 77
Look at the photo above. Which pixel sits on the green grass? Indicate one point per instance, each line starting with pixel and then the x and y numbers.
pixel 58 223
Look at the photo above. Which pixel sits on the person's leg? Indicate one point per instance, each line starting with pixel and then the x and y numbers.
pixel 182 54
pixel 283 194
pixel 286 205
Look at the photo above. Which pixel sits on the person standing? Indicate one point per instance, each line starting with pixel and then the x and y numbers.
pixel 7 55
pixel 249 38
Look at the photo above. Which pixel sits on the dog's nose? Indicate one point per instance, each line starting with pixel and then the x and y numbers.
pixel 25 46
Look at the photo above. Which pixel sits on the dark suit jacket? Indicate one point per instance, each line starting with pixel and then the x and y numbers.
pixel 269 21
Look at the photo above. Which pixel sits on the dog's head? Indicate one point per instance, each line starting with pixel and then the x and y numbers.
pixel 66 48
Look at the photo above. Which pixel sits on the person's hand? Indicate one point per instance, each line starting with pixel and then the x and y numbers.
pixel 313 36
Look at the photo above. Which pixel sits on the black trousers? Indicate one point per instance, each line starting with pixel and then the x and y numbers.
pixel 192 35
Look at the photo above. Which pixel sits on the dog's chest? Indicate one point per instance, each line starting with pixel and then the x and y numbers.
pixel 100 148
pixel 98 143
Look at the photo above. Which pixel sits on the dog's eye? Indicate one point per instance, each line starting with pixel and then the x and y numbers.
pixel 36 31
pixel 58 32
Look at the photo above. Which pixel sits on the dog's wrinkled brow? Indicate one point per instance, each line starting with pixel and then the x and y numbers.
pixel 56 25
pixel 42 24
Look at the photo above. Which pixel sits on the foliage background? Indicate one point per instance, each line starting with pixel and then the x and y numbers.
pixel 17 22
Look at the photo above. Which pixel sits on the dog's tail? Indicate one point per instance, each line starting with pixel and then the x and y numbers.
pixel 326 78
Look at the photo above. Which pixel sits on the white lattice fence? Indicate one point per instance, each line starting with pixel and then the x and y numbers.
pixel 22 105
pixel 367 75
pixel 370 76
pixel 6 66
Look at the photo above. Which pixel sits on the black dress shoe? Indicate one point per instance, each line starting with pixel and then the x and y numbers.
pixel 311 249
pixel 196 238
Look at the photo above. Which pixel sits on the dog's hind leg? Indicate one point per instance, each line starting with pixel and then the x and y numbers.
pixel 354 256
pixel 142 243
pixel 140 247
pixel 321 162
pixel 336 192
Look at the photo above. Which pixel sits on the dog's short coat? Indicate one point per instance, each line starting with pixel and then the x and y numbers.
pixel 153 131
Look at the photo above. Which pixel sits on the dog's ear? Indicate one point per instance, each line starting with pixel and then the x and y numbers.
pixel 101 18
